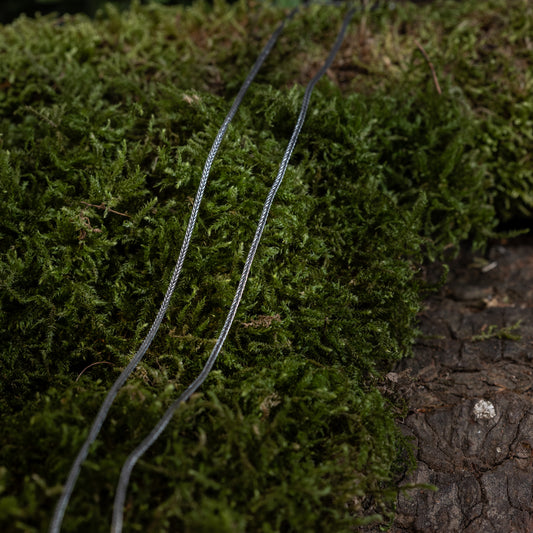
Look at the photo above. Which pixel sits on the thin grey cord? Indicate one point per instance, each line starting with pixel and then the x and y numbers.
pixel 129 464
pixel 59 512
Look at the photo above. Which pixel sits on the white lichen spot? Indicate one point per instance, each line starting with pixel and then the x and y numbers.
pixel 484 410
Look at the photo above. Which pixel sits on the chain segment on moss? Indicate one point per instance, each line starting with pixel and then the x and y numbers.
pixel 134 457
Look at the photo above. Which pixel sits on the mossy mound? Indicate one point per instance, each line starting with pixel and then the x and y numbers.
pixel 105 126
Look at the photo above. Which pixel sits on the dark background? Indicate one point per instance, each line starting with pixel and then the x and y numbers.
pixel 11 9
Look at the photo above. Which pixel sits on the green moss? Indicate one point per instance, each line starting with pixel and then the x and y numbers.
pixel 495 332
pixel 105 126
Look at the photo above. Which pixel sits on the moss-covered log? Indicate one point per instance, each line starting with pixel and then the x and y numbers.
pixel 104 128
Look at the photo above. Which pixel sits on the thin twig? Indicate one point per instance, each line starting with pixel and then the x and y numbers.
pixel 40 115
pixel 92 364
pixel 104 207
pixel 436 81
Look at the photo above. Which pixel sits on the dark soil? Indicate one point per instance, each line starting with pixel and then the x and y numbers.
pixel 469 390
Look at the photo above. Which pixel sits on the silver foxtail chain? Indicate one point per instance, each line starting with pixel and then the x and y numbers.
pixel 59 511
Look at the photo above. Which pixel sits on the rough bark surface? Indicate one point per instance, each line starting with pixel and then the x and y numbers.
pixel 469 390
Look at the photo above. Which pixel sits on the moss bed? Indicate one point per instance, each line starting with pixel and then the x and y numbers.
pixel 104 128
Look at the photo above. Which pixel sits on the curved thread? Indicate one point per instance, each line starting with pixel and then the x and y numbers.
pixel 59 512
pixel 132 459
